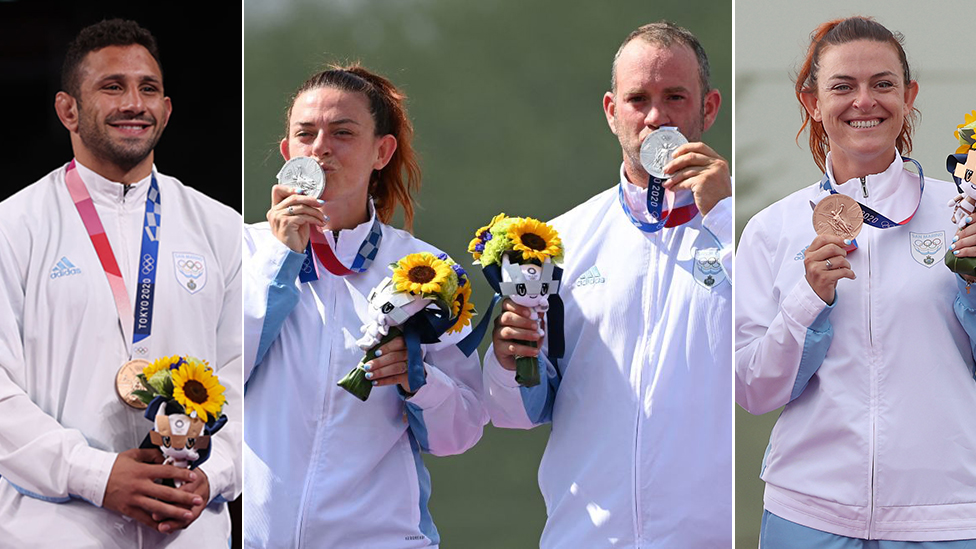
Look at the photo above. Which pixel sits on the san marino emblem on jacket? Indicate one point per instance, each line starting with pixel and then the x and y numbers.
pixel 708 268
pixel 927 248
pixel 191 271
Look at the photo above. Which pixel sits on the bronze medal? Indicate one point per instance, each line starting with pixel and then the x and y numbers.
pixel 126 381
pixel 838 215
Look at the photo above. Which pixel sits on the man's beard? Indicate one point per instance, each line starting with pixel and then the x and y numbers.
pixel 126 153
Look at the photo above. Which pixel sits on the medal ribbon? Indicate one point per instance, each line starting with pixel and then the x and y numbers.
pixel 874 218
pixel 145 289
pixel 671 217
pixel 319 247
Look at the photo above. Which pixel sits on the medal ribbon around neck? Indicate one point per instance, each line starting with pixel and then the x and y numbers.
pixel 671 217
pixel 874 218
pixel 145 288
pixel 319 247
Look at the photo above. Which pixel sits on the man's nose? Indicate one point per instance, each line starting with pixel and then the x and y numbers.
pixel 656 117
pixel 132 101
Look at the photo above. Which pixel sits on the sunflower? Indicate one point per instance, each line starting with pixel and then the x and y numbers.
pixel 964 133
pixel 421 273
pixel 535 239
pixel 198 390
pixel 462 308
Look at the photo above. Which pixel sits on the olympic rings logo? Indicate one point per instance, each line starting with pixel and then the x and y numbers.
pixel 928 245
pixel 140 350
pixel 190 265
pixel 148 263
pixel 709 267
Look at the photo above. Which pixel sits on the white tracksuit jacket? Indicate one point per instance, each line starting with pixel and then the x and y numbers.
pixel 325 469
pixel 640 452
pixel 878 438
pixel 61 423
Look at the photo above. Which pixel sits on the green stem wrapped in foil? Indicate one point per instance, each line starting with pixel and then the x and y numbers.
pixel 355 381
pixel 961 265
pixel 527 368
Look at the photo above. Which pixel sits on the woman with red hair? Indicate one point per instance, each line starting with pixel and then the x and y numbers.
pixel 852 323
pixel 325 469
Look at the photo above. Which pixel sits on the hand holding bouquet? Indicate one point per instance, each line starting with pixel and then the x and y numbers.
pixel 184 400
pixel 427 296
pixel 519 257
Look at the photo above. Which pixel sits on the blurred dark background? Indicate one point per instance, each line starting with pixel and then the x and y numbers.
pixel 200 58
pixel 505 96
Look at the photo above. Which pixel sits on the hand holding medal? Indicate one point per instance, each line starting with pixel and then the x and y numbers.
pixel 697 177
pixel 837 219
pixel 427 296
pixel 295 200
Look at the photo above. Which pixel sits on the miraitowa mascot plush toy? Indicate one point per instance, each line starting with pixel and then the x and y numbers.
pixel 519 258
pixel 529 284
pixel 184 400
pixel 962 167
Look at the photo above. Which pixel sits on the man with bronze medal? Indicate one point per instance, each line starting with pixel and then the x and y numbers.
pixel 97 283
pixel 647 292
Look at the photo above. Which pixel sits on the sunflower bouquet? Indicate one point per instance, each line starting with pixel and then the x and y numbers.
pixel 184 400
pixel 962 166
pixel 519 256
pixel 427 296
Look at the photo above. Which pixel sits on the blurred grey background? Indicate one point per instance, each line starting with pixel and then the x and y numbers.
pixel 771 38
pixel 505 96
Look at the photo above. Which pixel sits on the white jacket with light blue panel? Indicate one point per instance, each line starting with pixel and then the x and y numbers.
pixel 322 466
pixel 640 452
pixel 877 438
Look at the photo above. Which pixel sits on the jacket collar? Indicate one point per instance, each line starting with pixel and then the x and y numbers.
pixel 351 239
pixel 894 192
pixel 105 192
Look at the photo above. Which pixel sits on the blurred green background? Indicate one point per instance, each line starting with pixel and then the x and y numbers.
pixel 505 96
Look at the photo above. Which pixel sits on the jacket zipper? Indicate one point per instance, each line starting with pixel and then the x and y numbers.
pixel 648 307
pixel 316 444
pixel 874 390
pixel 122 261
pixel 864 186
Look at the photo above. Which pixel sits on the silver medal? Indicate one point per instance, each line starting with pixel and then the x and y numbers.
pixel 303 173
pixel 658 148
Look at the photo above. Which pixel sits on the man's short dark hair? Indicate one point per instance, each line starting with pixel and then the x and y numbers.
pixel 113 32
pixel 666 34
